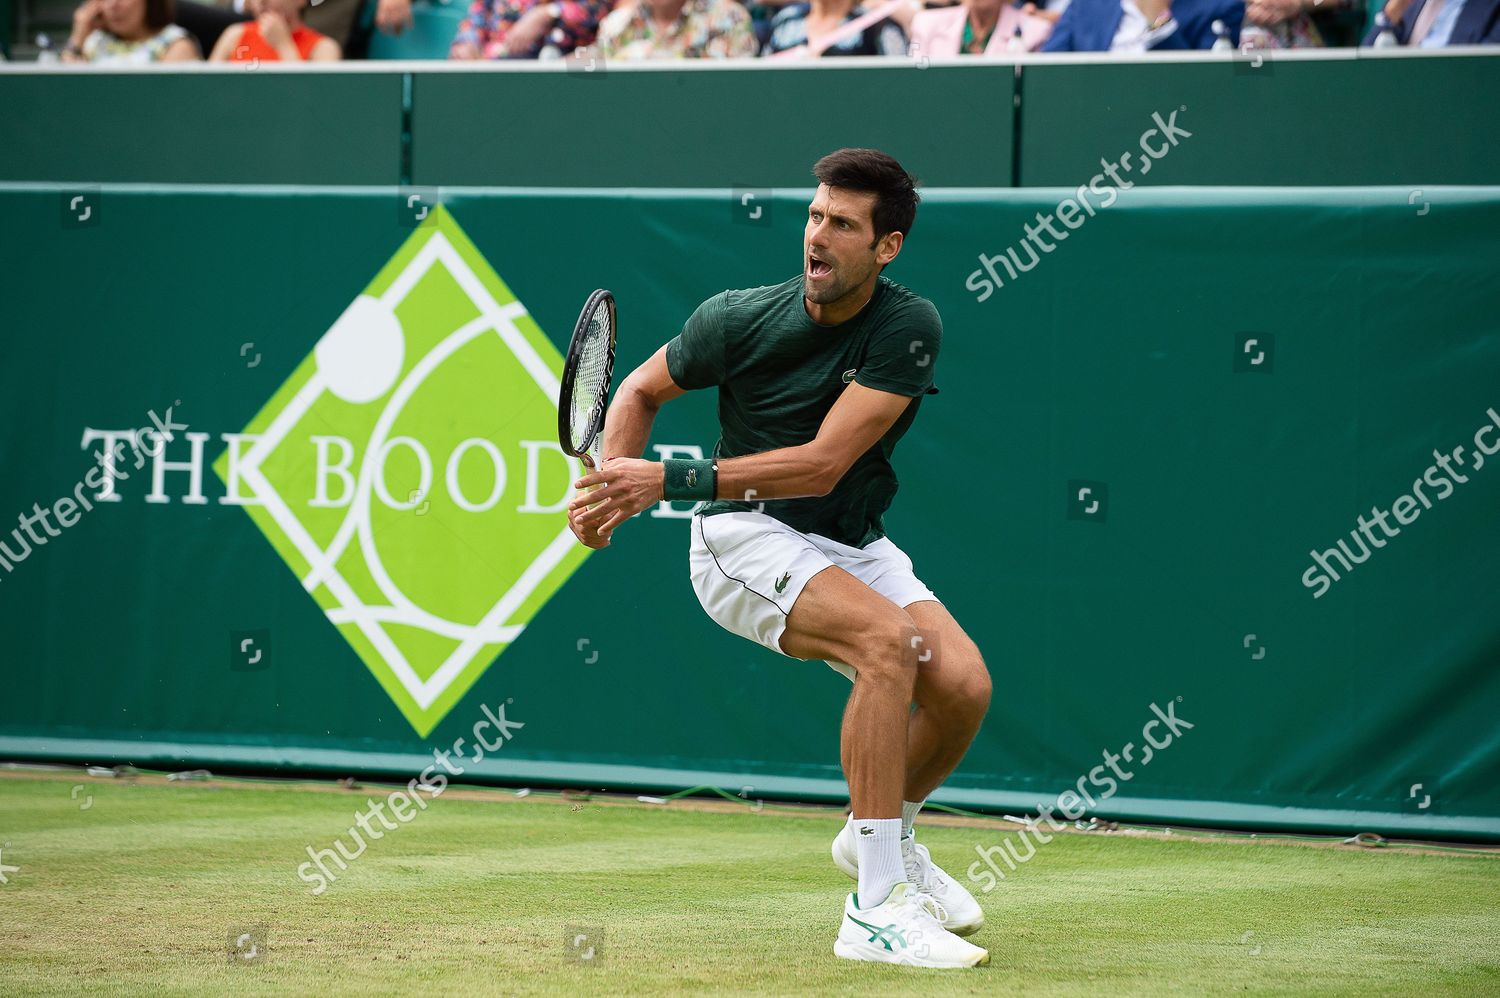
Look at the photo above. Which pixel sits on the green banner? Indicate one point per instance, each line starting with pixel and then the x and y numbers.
pixel 1205 481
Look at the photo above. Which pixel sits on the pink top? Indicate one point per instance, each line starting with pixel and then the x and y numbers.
pixel 940 32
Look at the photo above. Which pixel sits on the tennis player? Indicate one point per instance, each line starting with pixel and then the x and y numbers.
pixel 818 379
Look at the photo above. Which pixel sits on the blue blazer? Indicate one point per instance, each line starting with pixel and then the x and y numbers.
pixel 1090 25
pixel 1478 24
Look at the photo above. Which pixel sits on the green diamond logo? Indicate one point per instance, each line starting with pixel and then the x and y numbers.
pixel 408 472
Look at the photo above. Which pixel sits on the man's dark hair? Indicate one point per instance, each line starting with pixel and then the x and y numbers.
pixel 871 170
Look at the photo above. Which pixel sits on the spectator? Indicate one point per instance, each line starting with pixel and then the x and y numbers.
pixel 1431 24
pixel 1283 24
pixel 277 33
pixel 1049 11
pixel 677 29
pixel 978 27
pixel 206 21
pixel 827 28
pixel 519 29
pixel 128 33
pixel 761 13
pixel 1143 25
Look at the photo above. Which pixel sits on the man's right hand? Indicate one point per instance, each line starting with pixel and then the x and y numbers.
pixel 588 536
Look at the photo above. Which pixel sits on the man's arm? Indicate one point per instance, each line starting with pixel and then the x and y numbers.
pixel 627 426
pixel 856 423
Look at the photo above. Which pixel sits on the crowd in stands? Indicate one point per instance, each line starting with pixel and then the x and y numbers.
pixel 133 32
pixel 124 32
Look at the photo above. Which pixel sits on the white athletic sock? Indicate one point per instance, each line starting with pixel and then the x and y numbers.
pixel 909 811
pixel 880 868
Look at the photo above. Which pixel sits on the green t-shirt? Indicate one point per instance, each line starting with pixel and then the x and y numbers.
pixel 778 374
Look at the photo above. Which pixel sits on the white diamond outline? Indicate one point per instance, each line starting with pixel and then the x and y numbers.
pixel 351 609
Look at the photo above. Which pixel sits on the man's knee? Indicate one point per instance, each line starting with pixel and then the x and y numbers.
pixel 960 682
pixel 887 648
pixel 975 687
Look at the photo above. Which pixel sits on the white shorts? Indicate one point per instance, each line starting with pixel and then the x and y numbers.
pixel 749 568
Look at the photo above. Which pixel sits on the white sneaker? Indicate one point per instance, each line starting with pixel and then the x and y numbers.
pixel 960 913
pixel 904 928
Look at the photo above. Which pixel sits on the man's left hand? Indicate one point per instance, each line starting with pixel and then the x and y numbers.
pixel 630 486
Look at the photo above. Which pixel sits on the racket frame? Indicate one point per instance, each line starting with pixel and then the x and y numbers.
pixel 601 298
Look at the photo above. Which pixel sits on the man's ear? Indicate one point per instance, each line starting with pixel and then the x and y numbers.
pixel 887 247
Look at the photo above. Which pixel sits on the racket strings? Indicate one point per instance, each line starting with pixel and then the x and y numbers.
pixel 591 384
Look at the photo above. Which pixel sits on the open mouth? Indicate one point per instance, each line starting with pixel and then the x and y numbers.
pixel 817 268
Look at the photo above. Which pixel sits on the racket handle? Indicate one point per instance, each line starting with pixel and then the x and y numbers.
pixel 591 461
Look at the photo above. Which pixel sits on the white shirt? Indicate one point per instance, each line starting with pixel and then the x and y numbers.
pixel 105 49
pixel 1442 25
pixel 1134 34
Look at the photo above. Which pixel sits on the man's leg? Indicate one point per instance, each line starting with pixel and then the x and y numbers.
pixel 952 694
pixel 949 697
pixel 840 618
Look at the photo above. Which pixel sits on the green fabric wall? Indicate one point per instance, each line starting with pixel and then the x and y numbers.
pixel 1114 361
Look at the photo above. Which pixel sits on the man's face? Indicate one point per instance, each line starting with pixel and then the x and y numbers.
pixel 839 250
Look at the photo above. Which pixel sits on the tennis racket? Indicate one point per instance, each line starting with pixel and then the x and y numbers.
pixel 584 392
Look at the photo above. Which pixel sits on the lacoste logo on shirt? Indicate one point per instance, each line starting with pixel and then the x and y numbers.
pixel 781 582
pixel 849 375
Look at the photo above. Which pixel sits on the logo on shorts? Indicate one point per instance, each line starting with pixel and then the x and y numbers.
pixel 781 582
pixel 849 375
